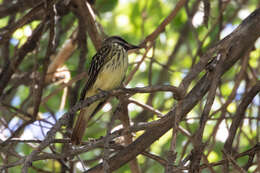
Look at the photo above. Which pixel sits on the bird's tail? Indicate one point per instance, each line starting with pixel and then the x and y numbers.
pixel 82 122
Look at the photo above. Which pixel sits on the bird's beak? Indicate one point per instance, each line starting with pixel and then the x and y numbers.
pixel 133 47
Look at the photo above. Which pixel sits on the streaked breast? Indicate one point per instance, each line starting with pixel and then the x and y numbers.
pixel 113 72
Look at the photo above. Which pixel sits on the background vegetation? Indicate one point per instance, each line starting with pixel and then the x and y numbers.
pixel 195 106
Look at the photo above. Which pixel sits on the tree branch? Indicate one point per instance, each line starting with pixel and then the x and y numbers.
pixel 242 39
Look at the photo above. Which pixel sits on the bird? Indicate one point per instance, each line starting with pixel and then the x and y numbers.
pixel 107 71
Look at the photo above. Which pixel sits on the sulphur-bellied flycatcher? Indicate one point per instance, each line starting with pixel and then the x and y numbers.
pixel 107 71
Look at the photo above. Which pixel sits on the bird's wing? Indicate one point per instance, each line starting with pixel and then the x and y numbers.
pixel 96 64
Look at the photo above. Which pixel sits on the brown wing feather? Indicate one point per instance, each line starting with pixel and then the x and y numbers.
pixel 97 63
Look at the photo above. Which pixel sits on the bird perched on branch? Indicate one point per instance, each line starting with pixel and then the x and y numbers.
pixel 107 71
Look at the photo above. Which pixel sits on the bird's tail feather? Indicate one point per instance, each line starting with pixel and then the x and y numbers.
pixel 82 122
pixel 79 128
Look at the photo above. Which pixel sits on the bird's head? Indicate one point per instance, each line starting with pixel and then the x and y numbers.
pixel 115 39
